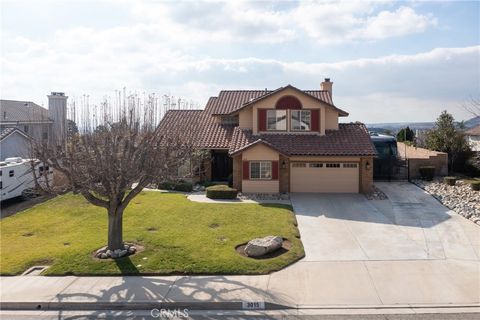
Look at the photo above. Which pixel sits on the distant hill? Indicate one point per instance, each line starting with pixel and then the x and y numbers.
pixel 396 126
pixel 470 123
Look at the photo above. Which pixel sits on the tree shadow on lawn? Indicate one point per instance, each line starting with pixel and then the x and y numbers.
pixel 126 266
pixel 118 295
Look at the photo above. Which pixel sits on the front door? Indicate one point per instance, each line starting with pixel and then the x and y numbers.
pixel 221 165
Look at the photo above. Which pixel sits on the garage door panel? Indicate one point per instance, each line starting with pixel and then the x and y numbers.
pixel 322 179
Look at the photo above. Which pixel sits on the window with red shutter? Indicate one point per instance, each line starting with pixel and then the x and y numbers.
pixel 262 119
pixel 315 120
pixel 274 170
pixel 246 170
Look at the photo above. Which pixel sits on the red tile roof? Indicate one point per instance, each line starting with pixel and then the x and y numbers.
pixel 229 101
pixel 210 134
pixel 352 139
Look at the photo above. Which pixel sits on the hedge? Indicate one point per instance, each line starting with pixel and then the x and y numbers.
pixel 221 192
pixel 427 172
pixel 176 186
pixel 450 180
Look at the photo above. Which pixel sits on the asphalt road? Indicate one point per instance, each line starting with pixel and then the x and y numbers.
pixel 208 315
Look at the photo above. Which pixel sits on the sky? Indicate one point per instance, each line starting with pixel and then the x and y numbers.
pixel 390 61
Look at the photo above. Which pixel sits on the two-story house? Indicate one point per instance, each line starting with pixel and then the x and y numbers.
pixel 22 121
pixel 285 140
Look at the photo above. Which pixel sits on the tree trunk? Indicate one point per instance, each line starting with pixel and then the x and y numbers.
pixel 115 229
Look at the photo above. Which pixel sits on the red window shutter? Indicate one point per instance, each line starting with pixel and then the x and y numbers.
pixel 246 170
pixel 274 170
pixel 262 119
pixel 315 120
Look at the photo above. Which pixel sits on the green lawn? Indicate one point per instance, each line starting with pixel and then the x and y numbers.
pixel 179 236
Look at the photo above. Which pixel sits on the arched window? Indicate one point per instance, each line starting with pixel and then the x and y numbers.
pixel 288 102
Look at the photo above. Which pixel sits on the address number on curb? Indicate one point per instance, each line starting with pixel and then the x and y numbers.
pixel 253 305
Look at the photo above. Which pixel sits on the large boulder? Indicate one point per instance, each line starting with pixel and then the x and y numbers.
pixel 261 246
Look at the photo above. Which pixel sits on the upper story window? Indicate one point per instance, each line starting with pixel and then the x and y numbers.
pixel 301 120
pixel 277 120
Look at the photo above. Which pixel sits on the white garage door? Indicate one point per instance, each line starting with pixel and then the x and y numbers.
pixel 324 177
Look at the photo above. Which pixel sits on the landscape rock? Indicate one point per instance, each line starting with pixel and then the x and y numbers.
pixel 105 253
pixel 459 198
pixel 376 194
pixel 261 246
pixel 263 196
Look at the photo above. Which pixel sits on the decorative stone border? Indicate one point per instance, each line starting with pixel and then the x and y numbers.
pixel 459 198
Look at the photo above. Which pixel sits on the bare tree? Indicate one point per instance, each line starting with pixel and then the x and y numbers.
pixel 113 158
pixel 472 106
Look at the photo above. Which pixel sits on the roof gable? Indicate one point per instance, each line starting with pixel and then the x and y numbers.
pixel 320 96
pixel 230 101
pixel 7 132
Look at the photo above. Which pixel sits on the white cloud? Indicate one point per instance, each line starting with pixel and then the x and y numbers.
pixel 327 22
pixel 167 47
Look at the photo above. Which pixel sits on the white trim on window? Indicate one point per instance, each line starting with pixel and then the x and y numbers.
pixel 301 119
pixel 264 170
pixel 280 117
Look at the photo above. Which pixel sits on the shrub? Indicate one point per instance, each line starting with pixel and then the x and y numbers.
pixel 475 185
pixel 427 172
pixel 450 180
pixel 183 186
pixel 221 192
pixel 176 186
pixel 165 185
pixel 207 184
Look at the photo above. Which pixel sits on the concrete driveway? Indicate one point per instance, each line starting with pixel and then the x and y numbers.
pixel 410 225
pixel 408 250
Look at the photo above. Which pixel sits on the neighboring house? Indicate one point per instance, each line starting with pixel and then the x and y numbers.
pixel 14 143
pixel 21 121
pixel 285 140
pixel 473 136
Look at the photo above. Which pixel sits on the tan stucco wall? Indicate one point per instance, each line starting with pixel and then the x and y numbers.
pixel 331 119
pixel 418 157
pixel 257 186
pixel 245 119
pixel 328 116
pixel 260 152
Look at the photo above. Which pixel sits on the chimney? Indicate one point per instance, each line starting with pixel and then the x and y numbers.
pixel 327 86
pixel 57 111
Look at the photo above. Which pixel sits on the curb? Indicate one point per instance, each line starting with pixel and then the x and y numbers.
pixel 91 306
pixel 229 306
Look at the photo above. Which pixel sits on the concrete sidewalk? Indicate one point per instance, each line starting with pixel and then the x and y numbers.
pixel 370 284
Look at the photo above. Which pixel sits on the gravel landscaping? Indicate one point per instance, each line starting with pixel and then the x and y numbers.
pixel 459 198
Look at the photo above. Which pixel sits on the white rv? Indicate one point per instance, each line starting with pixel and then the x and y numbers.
pixel 16 176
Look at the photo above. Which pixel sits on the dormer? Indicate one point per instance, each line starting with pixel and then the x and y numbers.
pixel 293 111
